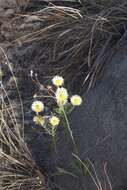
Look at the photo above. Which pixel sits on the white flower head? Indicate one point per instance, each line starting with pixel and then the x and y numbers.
pixel 37 106
pixel 39 120
pixel 54 121
pixel 61 96
pixel 76 100
pixel 58 81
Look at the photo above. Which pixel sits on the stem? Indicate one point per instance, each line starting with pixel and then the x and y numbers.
pixel 53 133
pixel 48 131
pixel 69 129
pixel 54 142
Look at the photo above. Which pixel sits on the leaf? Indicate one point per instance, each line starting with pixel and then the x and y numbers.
pixel 62 171
pixel 78 166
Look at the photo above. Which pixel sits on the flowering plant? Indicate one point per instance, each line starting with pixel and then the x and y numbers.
pixel 64 105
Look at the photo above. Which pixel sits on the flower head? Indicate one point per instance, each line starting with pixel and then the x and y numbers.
pixel 61 96
pixel 58 81
pixel 37 106
pixel 39 120
pixel 76 100
pixel 54 121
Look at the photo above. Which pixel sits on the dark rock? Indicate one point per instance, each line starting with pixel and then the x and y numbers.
pixel 120 188
pixel 100 130
pixel 99 126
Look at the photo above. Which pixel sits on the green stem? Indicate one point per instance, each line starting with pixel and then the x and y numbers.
pixel 69 129
pixel 54 138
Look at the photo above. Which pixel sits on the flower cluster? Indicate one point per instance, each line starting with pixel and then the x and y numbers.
pixel 38 107
pixel 61 96
pixel 61 93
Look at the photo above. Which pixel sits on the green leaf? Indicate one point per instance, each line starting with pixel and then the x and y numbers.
pixel 62 171
pixel 79 168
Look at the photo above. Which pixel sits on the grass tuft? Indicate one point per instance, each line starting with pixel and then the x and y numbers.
pixel 77 41
pixel 18 169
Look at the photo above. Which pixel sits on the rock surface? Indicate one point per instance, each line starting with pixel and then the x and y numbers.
pixel 104 115
pixel 100 130
pixel 100 126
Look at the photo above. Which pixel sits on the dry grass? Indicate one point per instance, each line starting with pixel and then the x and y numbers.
pixel 18 170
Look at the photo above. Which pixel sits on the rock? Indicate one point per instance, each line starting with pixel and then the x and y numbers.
pixel 121 188
pixel 100 130
pixel 100 125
